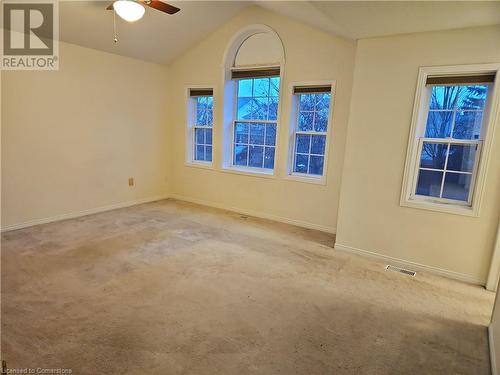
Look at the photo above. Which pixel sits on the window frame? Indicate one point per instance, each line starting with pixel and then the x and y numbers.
pixel 415 141
pixel 293 130
pixel 190 143
pixel 228 160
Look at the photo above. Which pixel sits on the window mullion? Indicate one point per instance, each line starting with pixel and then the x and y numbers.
pixel 444 170
pixel 452 129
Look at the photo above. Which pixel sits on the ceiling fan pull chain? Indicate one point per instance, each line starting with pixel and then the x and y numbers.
pixel 114 27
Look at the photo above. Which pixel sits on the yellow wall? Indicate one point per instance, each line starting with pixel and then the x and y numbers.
pixel 72 138
pixel 370 217
pixel 311 55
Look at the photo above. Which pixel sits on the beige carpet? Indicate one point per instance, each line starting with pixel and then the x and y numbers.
pixel 174 288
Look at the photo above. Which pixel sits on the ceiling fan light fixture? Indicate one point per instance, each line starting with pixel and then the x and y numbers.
pixel 129 10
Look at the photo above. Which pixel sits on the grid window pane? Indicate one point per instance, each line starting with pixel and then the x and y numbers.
pixel 306 102
pixel 245 108
pixel 260 108
pixel 201 116
pixel 245 88
pixel 445 97
pixel 200 136
pixel 200 152
pixel 203 128
pixel 256 156
pixel 241 155
pixel 461 158
pixel 208 136
pixel 269 157
pixel 204 111
pixel 261 87
pixel 455 161
pixel 241 132
pixel 208 153
pixel 273 108
pixel 270 134
pixel 473 97
pixel 316 165
pixel 301 163
pixel 322 102
pixel 321 120
pixel 255 138
pixel 318 144
pixel 274 86
pixel 258 99
pixel 433 155
pixel 310 139
pixel 439 124
pixel 456 186
pixel 254 144
pixel 468 125
pixel 306 120
pixel 429 183
pixel 455 113
pixel 303 143
pixel 257 132
pixel 210 117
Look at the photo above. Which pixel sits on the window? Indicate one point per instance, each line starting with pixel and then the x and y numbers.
pixel 201 108
pixel 451 130
pixel 310 130
pixel 254 129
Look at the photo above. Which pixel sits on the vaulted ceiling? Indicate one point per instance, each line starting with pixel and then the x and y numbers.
pixel 161 38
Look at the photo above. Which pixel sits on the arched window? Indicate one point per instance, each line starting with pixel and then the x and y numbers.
pixel 253 67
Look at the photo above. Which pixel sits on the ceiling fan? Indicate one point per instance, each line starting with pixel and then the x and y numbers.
pixel 133 10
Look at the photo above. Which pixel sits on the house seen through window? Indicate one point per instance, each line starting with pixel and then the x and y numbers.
pixel 255 125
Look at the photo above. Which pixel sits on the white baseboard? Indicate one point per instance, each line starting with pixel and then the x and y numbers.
pixel 258 214
pixel 90 211
pixel 493 360
pixel 412 265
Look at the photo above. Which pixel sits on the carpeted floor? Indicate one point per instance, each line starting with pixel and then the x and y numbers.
pixel 174 288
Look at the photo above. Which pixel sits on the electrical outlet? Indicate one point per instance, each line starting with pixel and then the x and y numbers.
pixel 131 181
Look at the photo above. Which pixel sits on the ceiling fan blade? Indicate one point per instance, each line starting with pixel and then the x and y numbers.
pixel 161 6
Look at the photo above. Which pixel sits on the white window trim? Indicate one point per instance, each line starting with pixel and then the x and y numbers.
pixel 228 162
pixel 229 111
pixel 302 177
pixel 490 119
pixel 190 126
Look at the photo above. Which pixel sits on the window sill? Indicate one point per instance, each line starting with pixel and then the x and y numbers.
pixel 200 164
pixel 319 180
pixel 440 207
pixel 248 172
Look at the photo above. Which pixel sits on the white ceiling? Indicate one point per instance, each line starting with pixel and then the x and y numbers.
pixel 161 38
pixel 366 19
pixel 157 37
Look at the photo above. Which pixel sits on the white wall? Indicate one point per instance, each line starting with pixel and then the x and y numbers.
pixel 311 55
pixel 370 217
pixel 72 138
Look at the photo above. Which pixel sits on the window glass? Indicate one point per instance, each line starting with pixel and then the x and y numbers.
pixel 310 135
pixel 446 166
pixel 203 128
pixel 255 126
